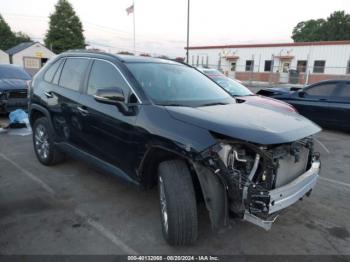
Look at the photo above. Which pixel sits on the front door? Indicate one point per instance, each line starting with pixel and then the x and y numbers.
pixel 107 133
pixel 314 102
pixel 284 72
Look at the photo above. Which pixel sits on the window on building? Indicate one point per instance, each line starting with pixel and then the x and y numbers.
pixel 268 66
pixel 301 66
pixel 249 65
pixel 348 68
pixel 73 73
pixel 103 76
pixel 319 66
pixel 233 66
pixel 322 89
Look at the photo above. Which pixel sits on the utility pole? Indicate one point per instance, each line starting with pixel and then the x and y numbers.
pixel 133 4
pixel 188 30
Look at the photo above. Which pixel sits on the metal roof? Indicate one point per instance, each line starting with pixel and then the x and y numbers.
pixel 342 42
pixel 18 48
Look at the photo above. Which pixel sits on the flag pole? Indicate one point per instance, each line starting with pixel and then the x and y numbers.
pixel 188 29
pixel 133 3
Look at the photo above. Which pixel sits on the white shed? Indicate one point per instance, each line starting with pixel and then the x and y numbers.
pixel 30 55
pixel 4 58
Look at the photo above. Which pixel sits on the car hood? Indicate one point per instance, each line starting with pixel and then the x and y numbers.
pixel 12 84
pixel 247 122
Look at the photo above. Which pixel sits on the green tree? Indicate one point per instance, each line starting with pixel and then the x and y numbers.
pixel 7 37
pixel 21 37
pixel 335 27
pixel 65 29
pixel 308 31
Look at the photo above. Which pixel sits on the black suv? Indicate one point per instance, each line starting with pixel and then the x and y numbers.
pixel 156 122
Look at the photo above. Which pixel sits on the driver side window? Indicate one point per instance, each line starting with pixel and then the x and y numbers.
pixel 104 75
pixel 321 90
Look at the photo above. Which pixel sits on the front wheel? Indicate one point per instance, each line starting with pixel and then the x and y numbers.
pixel 177 203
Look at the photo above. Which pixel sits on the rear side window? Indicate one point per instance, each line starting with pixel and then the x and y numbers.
pixel 73 73
pixel 104 75
pixel 56 78
pixel 344 91
pixel 322 90
pixel 52 70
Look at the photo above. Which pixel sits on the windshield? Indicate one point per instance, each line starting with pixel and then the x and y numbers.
pixel 211 72
pixel 178 85
pixel 13 73
pixel 232 86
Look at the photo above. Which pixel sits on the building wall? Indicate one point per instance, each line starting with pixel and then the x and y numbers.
pixel 4 58
pixel 337 59
pixel 36 52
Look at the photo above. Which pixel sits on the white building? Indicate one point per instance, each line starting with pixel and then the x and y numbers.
pixel 4 57
pixel 313 61
pixel 30 55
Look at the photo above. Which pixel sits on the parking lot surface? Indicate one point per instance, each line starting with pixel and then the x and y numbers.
pixel 73 209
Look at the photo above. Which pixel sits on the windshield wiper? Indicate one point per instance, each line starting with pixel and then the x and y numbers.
pixel 214 104
pixel 172 104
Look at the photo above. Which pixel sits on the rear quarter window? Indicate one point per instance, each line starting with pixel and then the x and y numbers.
pixel 73 73
pixel 50 73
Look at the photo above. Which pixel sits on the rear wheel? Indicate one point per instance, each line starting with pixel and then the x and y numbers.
pixel 43 140
pixel 177 203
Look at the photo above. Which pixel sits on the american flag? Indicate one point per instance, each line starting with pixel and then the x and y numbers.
pixel 130 9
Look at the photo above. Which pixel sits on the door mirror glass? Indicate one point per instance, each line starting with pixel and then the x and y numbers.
pixel 112 96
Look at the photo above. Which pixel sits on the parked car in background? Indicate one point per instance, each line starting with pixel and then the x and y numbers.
pixel 13 88
pixel 159 123
pixel 243 94
pixel 326 103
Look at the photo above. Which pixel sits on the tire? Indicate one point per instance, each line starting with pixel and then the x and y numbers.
pixel 178 205
pixel 43 142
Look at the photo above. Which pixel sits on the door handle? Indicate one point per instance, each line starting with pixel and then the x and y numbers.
pixel 48 94
pixel 322 99
pixel 83 110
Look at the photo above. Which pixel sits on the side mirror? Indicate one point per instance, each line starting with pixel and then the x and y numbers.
pixel 111 96
pixel 115 96
pixel 301 94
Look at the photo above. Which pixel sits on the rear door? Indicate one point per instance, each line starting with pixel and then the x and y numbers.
pixel 63 97
pixel 315 102
pixel 107 133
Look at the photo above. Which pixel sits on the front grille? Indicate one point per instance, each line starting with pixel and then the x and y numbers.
pixel 17 94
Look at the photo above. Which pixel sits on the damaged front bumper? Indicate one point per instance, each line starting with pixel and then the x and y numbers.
pixel 256 182
pixel 287 195
pixel 12 100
